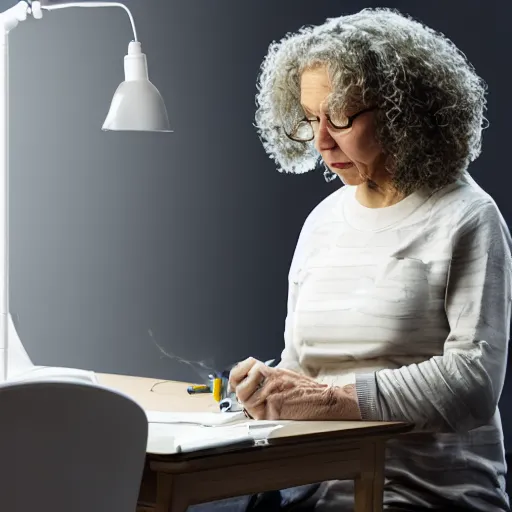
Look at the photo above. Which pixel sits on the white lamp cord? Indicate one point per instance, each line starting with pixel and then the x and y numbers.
pixel 90 4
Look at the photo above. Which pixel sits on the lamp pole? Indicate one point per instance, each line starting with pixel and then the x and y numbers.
pixel 9 20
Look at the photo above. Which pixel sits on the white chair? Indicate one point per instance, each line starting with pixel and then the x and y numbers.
pixel 69 447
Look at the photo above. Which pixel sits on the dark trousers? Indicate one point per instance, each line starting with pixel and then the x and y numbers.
pixel 271 501
pixel 296 499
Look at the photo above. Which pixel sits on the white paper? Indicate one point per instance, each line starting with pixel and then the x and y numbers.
pixel 196 418
pixel 214 437
pixel 169 438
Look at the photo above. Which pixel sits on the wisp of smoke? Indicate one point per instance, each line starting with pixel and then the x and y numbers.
pixel 202 368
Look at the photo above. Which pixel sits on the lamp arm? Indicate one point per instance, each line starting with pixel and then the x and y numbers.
pixel 19 12
pixel 92 4
pixel 10 18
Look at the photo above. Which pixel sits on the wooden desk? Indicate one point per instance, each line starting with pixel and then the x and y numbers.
pixel 298 453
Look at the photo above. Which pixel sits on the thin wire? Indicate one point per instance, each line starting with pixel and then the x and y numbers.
pixel 95 4
pixel 158 384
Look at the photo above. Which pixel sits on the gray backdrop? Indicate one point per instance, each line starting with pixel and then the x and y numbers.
pixel 119 240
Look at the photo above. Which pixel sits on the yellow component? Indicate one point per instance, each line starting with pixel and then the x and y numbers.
pixel 217 389
pixel 201 387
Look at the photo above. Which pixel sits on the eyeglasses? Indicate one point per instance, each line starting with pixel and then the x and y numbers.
pixel 304 130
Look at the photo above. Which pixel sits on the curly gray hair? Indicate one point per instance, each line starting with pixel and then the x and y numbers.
pixel 430 100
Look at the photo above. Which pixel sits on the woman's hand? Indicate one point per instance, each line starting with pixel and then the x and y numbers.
pixel 275 393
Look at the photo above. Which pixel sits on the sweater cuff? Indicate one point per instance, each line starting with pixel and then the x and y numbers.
pixel 367 396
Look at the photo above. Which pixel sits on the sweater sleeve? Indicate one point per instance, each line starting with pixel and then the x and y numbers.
pixel 458 390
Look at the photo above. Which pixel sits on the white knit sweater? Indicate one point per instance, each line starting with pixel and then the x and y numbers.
pixel 411 302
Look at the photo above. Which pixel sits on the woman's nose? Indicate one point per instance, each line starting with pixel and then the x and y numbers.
pixel 323 137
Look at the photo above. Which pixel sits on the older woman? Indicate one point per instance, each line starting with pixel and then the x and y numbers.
pixel 400 285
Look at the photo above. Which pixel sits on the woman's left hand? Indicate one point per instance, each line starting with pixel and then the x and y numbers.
pixel 275 393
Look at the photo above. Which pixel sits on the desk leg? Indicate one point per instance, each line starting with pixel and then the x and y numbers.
pixel 170 496
pixel 369 487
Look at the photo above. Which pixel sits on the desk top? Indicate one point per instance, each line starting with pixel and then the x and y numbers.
pixel 160 395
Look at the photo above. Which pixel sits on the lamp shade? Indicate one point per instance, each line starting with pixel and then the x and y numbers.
pixel 137 104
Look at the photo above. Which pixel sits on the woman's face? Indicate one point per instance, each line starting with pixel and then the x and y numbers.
pixel 353 154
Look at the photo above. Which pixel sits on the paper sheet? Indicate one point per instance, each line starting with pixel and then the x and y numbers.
pixel 196 418
pixel 169 438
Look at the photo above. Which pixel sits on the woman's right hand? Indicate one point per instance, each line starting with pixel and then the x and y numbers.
pixel 279 394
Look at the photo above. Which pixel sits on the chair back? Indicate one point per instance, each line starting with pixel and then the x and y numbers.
pixel 69 447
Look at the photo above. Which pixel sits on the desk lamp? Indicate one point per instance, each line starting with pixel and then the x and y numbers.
pixel 137 106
